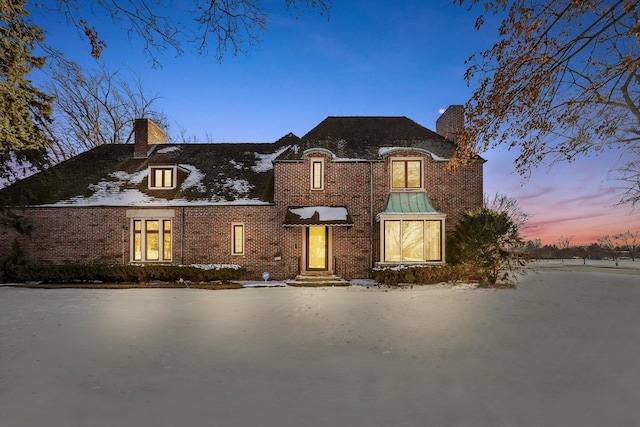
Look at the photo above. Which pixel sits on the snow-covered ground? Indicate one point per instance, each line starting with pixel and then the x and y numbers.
pixel 561 350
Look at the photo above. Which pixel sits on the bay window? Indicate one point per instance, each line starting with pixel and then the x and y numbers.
pixel 412 240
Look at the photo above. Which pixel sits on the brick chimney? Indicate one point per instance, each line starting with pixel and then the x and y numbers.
pixel 450 122
pixel 147 133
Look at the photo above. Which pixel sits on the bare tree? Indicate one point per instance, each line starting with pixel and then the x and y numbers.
pixel 610 245
pixel 229 25
pixel 562 81
pixel 630 241
pixel 95 108
pixel 508 205
pixel 564 243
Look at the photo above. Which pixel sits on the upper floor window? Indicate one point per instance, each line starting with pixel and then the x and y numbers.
pixel 406 173
pixel 317 174
pixel 162 177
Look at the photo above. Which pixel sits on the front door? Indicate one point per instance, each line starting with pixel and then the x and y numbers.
pixel 317 248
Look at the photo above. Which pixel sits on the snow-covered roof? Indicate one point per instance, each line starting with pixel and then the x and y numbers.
pixel 109 175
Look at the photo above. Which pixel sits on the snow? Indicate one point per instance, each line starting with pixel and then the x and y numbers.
pixel 213 266
pixel 561 350
pixel 236 165
pixel 168 150
pixel 264 161
pixel 194 179
pixel 112 193
pixel 238 186
pixel 382 151
pixel 325 213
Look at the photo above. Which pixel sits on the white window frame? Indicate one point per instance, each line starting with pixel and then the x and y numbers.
pixel 144 215
pixel 234 227
pixel 406 159
pixel 151 179
pixel 315 161
pixel 436 217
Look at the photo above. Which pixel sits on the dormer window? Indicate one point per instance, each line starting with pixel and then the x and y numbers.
pixel 317 174
pixel 162 177
pixel 406 173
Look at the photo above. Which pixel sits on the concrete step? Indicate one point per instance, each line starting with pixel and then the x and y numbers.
pixel 317 281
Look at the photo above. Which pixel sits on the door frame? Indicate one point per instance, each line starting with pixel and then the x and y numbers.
pixel 305 270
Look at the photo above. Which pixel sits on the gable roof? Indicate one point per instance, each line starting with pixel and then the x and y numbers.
pixel 368 137
pixel 220 173
pixel 109 175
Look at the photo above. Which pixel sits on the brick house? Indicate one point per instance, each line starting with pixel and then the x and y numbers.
pixel 352 193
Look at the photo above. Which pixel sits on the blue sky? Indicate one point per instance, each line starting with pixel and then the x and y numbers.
pixel 404 58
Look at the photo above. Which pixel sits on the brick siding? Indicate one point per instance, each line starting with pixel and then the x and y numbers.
pixel 202 234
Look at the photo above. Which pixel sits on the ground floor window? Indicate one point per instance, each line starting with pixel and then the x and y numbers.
pixel 237 239
pixel 412 240
pixel 151 240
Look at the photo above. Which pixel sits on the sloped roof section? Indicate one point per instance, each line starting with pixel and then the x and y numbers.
pixel 108 175
pixel 361 138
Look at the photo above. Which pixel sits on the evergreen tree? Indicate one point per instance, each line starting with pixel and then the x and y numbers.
pixel 24 109
pixel 483 238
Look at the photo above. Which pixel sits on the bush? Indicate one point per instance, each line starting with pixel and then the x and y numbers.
pixel 10 263
pixel 484 240
pixel 424 275
pixel 89 273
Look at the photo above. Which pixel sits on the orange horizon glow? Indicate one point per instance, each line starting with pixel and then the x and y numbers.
pixel 570 199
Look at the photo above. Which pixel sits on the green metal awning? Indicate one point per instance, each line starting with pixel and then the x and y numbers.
pixel 408 203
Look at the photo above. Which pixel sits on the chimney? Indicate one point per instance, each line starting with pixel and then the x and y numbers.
pixel 450 122
pixel 147 133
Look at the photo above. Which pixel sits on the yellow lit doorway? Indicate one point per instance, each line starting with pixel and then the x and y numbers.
pixel 317 248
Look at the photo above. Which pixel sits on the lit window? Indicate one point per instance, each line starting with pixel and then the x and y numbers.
pixel 237 239
pixel 317 174
pixel 406 174
pixel 412 240
pixel 161 177
pixel 151 240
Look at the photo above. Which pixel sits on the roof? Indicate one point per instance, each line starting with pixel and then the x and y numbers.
pixel 220 173
pixel 366 138
pixel 408 203
pixel 109 175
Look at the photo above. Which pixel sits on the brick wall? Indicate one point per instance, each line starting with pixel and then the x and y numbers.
pixel 202 234
pixel 348 184
pixel 146 133
pixel 72 235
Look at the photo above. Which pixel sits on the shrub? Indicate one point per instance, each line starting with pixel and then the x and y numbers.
pixel 10 263
pixel 87 273
pixel 424 275
pixel 483 240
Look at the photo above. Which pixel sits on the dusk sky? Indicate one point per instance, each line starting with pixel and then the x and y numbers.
pixel 404 58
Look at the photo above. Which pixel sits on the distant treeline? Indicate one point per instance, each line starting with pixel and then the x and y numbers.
pixel 536 250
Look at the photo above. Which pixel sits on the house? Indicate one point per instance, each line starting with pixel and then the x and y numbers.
pixel 353 193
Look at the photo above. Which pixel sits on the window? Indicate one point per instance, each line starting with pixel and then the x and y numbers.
pixel 317 174
pixel 151 240
pixel 237 239
pixel 406 173
pixel 412 240
pixel 161 177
